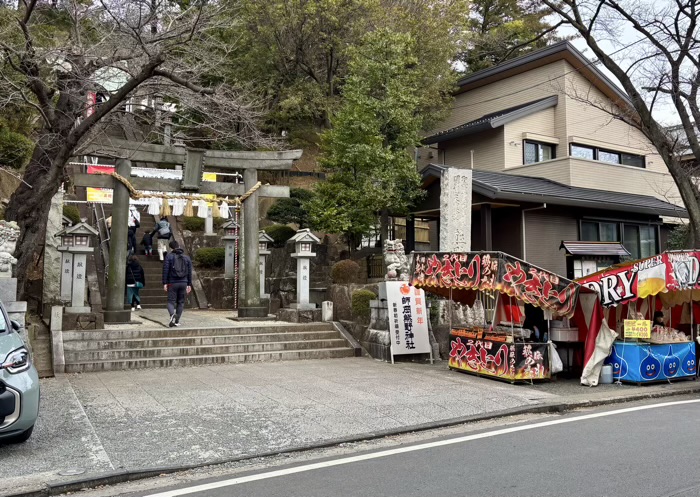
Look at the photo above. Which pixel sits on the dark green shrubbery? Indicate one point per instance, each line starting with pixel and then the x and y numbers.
pixel 72 213
pixel 292 209
pixel 210 257
pixel 346 271
pixel 360 305
pixel 195 223
pixel 280 234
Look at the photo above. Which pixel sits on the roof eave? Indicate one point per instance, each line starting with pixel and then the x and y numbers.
pixel 569 202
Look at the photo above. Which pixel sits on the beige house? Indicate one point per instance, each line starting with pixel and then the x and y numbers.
pixel 546 129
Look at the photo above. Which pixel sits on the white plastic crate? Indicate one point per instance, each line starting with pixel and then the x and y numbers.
pixel 564 334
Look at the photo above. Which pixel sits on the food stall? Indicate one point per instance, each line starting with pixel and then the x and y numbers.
pixel 658 295
pixel 490 290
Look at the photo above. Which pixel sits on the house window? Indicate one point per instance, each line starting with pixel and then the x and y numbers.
pixel 641 241
pixel 581 152
pixel 594 231
pixel 537 152
pixel 609 156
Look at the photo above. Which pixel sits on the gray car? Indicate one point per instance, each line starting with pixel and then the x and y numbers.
pixel 19 384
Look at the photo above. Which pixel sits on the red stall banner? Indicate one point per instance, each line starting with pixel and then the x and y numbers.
pixel 676 273
pixel 461 274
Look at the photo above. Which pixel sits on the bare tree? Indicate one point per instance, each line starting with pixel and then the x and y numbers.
pixel 55 54
pixel 660 64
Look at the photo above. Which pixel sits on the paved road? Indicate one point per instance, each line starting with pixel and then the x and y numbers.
pixel 646 450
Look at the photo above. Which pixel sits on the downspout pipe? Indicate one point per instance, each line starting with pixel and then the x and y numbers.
pixel 543 206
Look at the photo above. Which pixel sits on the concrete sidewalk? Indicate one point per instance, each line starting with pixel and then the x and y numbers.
pixel 98 423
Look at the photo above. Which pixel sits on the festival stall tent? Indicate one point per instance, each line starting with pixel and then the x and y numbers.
pixel 502 348
pixel 668 283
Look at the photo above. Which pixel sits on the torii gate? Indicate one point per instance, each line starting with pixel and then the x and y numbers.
pixel 193 161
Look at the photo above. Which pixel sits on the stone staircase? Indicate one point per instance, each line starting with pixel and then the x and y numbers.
pixel 167 347
pixel 152 295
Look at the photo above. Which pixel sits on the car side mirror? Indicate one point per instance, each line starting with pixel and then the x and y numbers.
pixel 15 325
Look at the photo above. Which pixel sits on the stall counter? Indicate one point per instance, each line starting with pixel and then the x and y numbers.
pixel 489 356
pixel 639 362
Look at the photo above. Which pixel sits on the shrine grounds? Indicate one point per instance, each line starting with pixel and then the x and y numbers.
pixel 118 424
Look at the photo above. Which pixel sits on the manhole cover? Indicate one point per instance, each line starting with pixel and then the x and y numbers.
pixel 71 472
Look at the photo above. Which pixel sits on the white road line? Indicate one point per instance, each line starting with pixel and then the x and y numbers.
pixel 402 450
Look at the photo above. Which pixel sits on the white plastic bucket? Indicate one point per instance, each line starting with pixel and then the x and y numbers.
pixel 606 374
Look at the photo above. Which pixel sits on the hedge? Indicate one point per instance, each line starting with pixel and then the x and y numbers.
pixel 195 223
pixel 360 304
pixel 280 234
pixel 72 213
pixel 346 271
pixel 210 257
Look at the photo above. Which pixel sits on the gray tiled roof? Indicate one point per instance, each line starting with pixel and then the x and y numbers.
pixel 493 120
pixel 501 186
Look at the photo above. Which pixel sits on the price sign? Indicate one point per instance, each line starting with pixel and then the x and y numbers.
pixel 635 328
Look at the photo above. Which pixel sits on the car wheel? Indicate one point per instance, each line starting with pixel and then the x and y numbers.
pixel 22 437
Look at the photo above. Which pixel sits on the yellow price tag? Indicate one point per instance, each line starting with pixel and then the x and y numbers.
pixel 637 328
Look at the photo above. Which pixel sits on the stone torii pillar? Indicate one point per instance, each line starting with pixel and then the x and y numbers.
pixel 193 161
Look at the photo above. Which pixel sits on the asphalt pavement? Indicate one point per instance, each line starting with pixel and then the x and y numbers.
pixel 645 450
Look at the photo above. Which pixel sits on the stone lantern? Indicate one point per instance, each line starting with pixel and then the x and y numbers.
pixel 230 238
pixel 304 242
pixel 74 247
pixel 263 240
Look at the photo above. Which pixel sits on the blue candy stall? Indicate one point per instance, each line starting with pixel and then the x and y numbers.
pixel 645 362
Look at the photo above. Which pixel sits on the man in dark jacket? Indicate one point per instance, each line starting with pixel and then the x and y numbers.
pixel 177 281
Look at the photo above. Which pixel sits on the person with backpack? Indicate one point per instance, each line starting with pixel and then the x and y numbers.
pixel 177 281
pixel 164 233
pixel 135 281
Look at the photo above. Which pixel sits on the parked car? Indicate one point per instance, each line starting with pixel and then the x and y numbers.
pixel 19 384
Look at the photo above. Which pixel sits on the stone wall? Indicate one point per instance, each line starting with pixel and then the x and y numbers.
pixel 341 296
pixel 219 291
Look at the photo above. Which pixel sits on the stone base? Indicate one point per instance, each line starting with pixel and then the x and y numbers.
pixel 299 315
pixel 269 317
pixel 252 312
pixel 81 322
pixel 117 317
pixel 303 307
pixel 77 310
pixel 8 289
pixel 16 311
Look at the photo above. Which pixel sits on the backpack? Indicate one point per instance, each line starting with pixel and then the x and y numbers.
pixel 179 266
pixel 164 228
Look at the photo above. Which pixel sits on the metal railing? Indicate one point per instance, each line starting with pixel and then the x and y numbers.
pixel 100 223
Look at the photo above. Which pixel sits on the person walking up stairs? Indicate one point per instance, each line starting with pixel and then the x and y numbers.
pixel 177 281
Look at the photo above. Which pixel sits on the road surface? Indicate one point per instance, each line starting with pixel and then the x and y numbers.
pixel 642 450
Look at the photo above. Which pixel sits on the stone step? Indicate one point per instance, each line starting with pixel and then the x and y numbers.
pixel 284 355
pixel 191 331
pixel 77 356
pixel 248 338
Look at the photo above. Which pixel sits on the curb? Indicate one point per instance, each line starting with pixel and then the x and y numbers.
pixel 112 478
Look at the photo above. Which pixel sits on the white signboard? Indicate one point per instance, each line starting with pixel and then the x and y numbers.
pixel 408 319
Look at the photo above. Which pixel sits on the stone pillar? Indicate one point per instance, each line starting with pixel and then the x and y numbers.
pixel 66 276
pixel 303 275
pixel 115 312
pixel 53 263
pixel 303 241
pixel 77 300
pixel 230 260
pixel 263 259
pixel 455 210
pixel 250 304
pixel 209 223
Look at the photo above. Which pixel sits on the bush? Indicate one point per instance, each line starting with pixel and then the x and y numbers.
pixel 292 209
pixel 15 149
pixel 679 238
pixel 360 304
pixel 195 223
pixel 346 271
pixel 280 234
pixel 72 213
pixel 210 257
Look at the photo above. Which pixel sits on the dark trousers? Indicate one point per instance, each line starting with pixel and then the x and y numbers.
pixel 132 239
pixel 176 298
